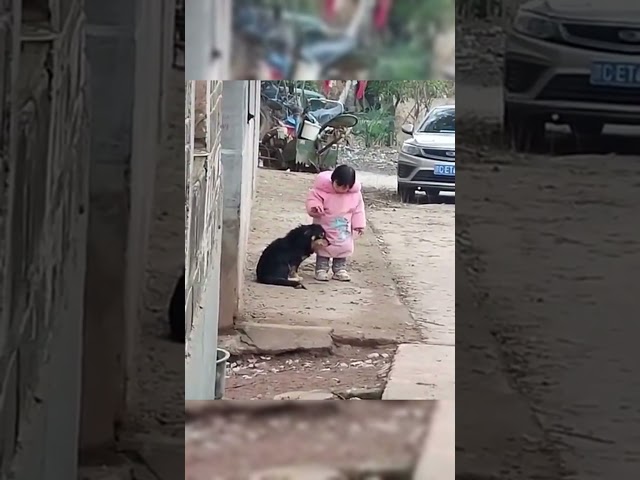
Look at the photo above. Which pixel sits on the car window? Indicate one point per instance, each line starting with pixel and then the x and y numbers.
pixel 439 121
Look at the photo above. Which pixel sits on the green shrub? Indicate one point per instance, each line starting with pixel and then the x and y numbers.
pixel 376 127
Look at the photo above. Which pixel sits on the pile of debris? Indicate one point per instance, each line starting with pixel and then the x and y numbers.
pixel 349 373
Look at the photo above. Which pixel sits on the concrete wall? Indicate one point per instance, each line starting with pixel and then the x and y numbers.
pixel 208 30
pixel 240 136
pixel 222 129
pixel 54 129
pixel 203 216
pixel 43 219
pixel 129 51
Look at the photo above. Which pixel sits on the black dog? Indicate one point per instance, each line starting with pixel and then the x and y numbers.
pixel 278 264
pixel 176 312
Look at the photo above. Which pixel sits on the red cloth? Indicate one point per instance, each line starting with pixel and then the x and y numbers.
pixel 329 9
pixel 362 86
pixel 326 86
pixel 381 14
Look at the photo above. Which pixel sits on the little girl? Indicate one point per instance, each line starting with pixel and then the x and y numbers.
pixel 336 203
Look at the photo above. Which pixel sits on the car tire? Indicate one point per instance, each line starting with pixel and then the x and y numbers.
pixel 523 133
pixel 587 128
pixel 407 194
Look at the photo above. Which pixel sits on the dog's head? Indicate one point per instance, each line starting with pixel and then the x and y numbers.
pixel 317 236
pixel 311 236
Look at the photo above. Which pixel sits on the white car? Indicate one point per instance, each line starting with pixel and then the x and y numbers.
pixel 427 161
pixel 572 62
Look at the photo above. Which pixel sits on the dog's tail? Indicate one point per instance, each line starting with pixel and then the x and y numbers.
pixel 282 282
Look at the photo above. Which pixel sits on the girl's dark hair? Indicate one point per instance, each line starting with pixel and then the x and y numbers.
pixel 344 175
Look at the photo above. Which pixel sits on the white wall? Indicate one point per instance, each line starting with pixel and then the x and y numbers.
pixel 214 287
pixel 203 238
pixel 240 132
pixel 207 28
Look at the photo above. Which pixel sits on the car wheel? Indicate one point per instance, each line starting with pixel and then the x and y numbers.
pixel 523 133
pixel 587 128
pixel 407 194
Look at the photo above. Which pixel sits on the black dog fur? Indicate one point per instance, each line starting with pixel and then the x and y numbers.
pixel 176 312
pixel 279 262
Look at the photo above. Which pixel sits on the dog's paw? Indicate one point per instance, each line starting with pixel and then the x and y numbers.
pixel 295 279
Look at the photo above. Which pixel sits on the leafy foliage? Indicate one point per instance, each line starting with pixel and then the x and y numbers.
pixel 376 127
pixel 418 13
pixel 393 92
pixel 404 50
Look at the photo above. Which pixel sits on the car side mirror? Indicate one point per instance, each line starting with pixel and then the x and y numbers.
pixel 408 129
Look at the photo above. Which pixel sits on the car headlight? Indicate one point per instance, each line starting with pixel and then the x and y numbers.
pixel 410 149
pixel 535 25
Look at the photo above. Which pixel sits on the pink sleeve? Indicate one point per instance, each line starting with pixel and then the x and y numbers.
pixel 314 200
pixel 359 219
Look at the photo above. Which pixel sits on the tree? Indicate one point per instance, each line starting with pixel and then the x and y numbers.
pixel 422 92
pixel 425 92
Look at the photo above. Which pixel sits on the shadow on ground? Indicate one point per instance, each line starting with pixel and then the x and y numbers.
pixel 559 141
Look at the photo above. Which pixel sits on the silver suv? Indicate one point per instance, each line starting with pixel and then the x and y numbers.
pixel 574 63
pixel 427 161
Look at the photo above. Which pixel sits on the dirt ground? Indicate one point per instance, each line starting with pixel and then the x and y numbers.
pixel 158 397
pixel 346 436
pixel 545 242
pixel 418 242
pixel 365 314
pixel 556 343
pixel 265 376
pixel 402 291
pixel 367 308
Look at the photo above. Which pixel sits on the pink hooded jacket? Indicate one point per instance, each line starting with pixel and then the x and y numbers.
pixel 343 213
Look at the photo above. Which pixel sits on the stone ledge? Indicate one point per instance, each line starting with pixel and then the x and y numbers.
pixel 264 338
pixel 421 372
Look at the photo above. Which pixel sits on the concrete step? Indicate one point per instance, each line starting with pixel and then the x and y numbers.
pixel 422 372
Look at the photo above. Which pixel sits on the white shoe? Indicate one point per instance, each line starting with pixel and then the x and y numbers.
pixel 342 275
pixel 322 275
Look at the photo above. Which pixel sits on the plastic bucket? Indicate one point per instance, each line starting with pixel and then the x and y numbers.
pixel 309 131
pixel 222 358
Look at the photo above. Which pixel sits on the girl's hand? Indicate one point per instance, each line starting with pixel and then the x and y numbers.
pixel 359 231
pixel 317 211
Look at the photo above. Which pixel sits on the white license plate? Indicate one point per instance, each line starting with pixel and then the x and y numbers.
pixel 615 74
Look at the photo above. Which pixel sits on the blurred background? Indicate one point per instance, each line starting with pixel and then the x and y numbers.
pixel 317 39
pixel 314 440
